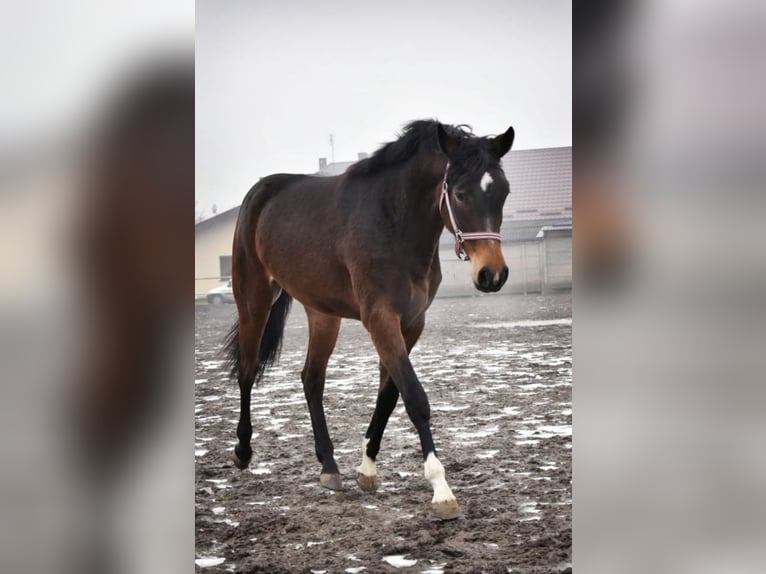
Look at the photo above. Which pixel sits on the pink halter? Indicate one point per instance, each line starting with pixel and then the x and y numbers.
pixel 460 236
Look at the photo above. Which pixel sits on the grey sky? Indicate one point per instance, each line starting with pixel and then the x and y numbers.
pixel 274 79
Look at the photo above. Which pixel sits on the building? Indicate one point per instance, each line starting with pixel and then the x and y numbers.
pixel 212 250
pixel 537 229
pixel 537 219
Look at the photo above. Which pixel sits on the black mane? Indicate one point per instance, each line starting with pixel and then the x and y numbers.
pixel 472 153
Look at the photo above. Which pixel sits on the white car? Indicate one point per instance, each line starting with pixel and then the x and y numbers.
pixel 222 294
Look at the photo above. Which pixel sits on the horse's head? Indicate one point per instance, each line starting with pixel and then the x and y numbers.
pixel 472 207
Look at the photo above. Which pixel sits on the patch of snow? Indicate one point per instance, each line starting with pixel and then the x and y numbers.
pixel 481 433
pixel 524 323
pixel 207 562
pixel 531 386
pixel 530 508
pixel 561 430
pixel 487 454
pixel 399 561
pixel 448 408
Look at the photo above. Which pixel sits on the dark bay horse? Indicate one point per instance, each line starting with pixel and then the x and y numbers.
pixel 365 245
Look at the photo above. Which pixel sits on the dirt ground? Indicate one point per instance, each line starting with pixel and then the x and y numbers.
pixel 498 373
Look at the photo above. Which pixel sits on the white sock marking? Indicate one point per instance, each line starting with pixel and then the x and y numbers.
pixel 434 473
pixel 486 180
pixel 367 468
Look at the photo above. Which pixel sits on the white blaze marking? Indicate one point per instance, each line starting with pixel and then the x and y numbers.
pixel 434 473
pixel 367 468
pixel 486 179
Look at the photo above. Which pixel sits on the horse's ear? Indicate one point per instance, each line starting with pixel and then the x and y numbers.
pixel 447 142
pixel 504 142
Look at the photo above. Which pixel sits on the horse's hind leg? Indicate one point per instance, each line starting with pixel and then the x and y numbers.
pixel 388 394
pixel 323 333
pixel 254 305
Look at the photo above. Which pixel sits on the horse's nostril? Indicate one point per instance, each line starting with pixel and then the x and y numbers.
pixel 504 275
pixel 485 277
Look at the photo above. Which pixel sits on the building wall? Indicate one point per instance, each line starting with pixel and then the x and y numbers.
pixel 533 267
pixel 557 262
pixel 523 260
pixel 210 243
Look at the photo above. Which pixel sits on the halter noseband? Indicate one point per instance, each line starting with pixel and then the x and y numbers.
pixel 460 236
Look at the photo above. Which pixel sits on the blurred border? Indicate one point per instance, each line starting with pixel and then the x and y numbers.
pixel 96 322
pixel 669 469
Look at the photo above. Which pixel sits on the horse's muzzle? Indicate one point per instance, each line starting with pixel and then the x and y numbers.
pixel 489 281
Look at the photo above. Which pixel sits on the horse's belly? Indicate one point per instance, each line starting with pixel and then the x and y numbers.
pixel 337 307
pixel 323 287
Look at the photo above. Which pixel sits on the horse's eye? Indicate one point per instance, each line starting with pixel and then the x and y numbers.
pixel 460 196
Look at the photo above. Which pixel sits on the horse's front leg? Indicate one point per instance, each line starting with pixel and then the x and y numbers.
pixel 385 329
pixel 388 394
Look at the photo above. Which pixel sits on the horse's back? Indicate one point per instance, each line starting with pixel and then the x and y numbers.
pixel 265 189
pixel 256 200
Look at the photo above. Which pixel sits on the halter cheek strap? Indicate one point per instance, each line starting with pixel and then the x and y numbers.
pixel 460 236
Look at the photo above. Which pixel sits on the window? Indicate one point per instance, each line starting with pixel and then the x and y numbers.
pixel 225 262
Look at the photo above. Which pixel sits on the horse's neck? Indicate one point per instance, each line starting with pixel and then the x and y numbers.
pixel 419 198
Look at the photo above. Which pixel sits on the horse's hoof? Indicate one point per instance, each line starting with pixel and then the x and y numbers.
pixel 367 483
pixel 239 463
pixel 331 481
pixel 446 510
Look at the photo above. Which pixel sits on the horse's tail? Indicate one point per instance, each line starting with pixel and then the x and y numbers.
pixel 271 341
pixel 231 350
